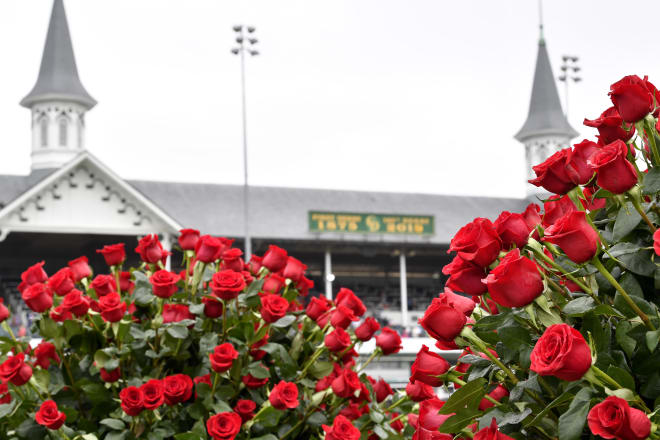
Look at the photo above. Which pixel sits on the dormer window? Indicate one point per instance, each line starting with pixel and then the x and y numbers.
pixel 63 126
pixel 43 131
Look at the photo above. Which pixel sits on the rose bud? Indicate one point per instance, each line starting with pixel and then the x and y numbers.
pixel 512 229
pixel 614 418
pixel 632 98
pixel 465 276
pixel 491 433
pixel 576 162
pixel 341 429
pixel 610 126
pixel 45 352
pixel 294 269
pixel 275 258
pixel 317 307
pixel 150 249
pixel 498 394
pixel 49 416
pixel 487 304
pixel 346 384
pixel 515 282
pixel 114 254
pixel 245 408
pixel 273 307
pixel 337 340
pixel 176 313
pixel 4 311
pixel 76 303
pixel 252 382
pixel 342 317
pixel 430 419
pixel 614 172
pixel 204 379
pixel 389 341
pixel 552 174
pixel 224 426
pixel 62 281
pixel 382 390
pixel 254 265
pixel 418 391
pixel 656 242
pixel 442 320
pixel 212 308
pixel 367 329
pixel 80 268
pixel 132 400
pixel 34 274
pixel 555 208
pixel 592 203
pixel 164 283
pixel 532 217
pixel 15 370
pixel 177 388
pixel 561 352
pixel 346 297
pixel 223 357
pixel 37 298
pixel 352 411
pixel 208 249
pixel 397 424
pixel 110 376
pixel 103 284
pixel 231 259
pixel 477 242
pixel 427 367
pixel 273 283
pixel 284 396
pixel 574 236
pixel 303 285
pixel 60 314
pixel 323 320
pixel 188 239
pixel 5 396
pixel 461 303
pixel 112 308
pixel 227 284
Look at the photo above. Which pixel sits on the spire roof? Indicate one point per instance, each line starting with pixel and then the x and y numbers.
pixel 545 117
pixel 58 75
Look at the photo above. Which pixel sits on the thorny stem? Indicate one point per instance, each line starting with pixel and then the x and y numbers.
pixel 397 403
pixel 313 359
pixel 468 334
pixel 376 352
pixel 641 212
pixel 557 267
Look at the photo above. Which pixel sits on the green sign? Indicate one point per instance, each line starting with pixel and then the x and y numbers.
pixel 320 221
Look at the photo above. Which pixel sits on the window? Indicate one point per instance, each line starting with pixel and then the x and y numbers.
pixel 63 127
pixel 43 131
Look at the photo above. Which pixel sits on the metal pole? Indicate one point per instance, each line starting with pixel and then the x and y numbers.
pixel 404 290
pixel 566 91
pixel 167 245
pixel 246 194
pixel 328 275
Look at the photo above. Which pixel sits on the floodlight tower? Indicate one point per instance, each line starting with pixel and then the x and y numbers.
pixel 569 72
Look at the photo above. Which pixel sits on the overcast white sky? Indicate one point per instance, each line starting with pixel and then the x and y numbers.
pixel 415 96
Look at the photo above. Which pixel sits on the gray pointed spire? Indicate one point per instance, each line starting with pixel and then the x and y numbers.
pixel 58 75
pixel 546 117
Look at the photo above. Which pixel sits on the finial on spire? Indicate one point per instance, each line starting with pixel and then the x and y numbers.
pixel 541 37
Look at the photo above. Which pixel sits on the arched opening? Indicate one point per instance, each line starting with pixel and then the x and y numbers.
pixel 43 131
pixel 63 127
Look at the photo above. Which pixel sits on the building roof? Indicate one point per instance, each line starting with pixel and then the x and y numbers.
pixel 545 117
pixel 13 186
pixel 58 75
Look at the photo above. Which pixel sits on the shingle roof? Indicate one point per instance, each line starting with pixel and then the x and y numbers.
pixel 13 186
pixel 58 75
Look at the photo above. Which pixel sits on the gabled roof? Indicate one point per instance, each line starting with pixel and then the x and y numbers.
pixel 545 117
pixel 58 75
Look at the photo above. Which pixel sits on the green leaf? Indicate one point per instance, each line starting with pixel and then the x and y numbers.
pixel 196 309
pixel 177 331
pixel 269 417
pixel 622 249
pixel 621 376
pixel 651 181
pixel 380 432
pixel 631 285
pixel 639 262
pixel 514 337
pixel 48 328
pixel 188 436
pixel 563 398
pixel 142 292
pixel 571 423
pixel 258 371
pixel 284 321
pixel 467 396
pixel 652 339
pixel 208 342
pixel 627 343
pixel 101 358
pixel 626 220
pixel 116 435
pixel 115 424
pixel 8 408
pixel 579 306
pixel 376 416
pixel 42 378
pixel 266 437
pixel 457 422
pixel 317 419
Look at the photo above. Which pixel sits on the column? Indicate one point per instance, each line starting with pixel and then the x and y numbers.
pixel 167 245
pixel 404 289
pixel 329 277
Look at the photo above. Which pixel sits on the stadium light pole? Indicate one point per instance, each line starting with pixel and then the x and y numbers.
pixel 569 70
pixel 246 43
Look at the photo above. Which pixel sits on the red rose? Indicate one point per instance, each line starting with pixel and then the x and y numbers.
pixel 491 433
pixel 429 420
pixel 224 426
pixel 284 395
pixel 254 265
pixel 76 303
pixel 110 376
pixel 576 162
pixel 465 276
pixel 367 329
pixel 531 216
pixel 442 320
pixel 614 172
pixel 610 126
pixel 37 298
pixel 342 316
pixel 45 352
pixel 245 408
pixel 488 305
pixel 275 258
pixel 114 254
pixel 632 97
pixel 461 303
pixel 4 311
pixel 574 236
pixel 204 379
pixel 397 424
pixel 273 307
pixel 80 268
pixel 231 259
pixel 188 239
pixel 62 281
pixel 34 274
pixel 498 394
pixel 223 357
pixel 477 242
pixel 382 390
pixel 112 309
pixel 132 400
pixel 337 340
pixel 555 208
pixel 125 283
pixel 561 352
pixel 5 397
pixel 427 367
pixel 252 382
pixel 294 269
pixel 341 429
pixel 552 174
pixel 150 249
pixel 227 284
pixel 656 241
pixel 389 341
pixel 176 313
pixel 614 418
pixel 515 282
pixel 273 283
pixel 317 307
pixel 512 229
pixel 303 285
pixel 49 416
pixel 153 393
pixel 592 203
pixel 177 388
pixel 164 283
pixel 208 249
pixel 352 411
pixel 418 391
pixel 60 314
pixel 104 284
pixel 346 297
pixel 15 370
pixel 212 307
pixel 346 383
